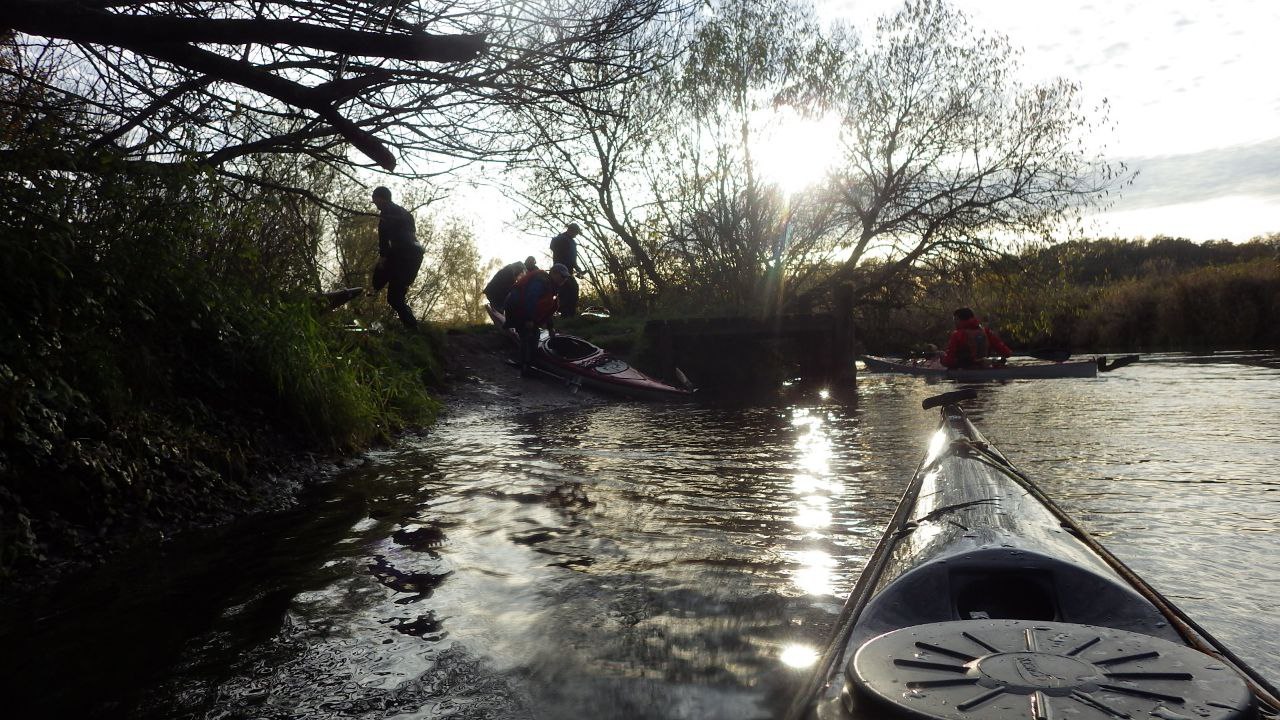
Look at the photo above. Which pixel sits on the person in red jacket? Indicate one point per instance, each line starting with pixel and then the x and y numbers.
pixel 531 305
pixel 971 344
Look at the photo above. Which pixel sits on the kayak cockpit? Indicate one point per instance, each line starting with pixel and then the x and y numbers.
pixel 1015 669
pixel 568 347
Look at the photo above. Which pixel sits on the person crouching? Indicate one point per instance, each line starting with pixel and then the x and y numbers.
pixel 530 306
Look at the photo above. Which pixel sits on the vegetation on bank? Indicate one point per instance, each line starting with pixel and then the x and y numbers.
pixel 1106 295
pixel 1101 295
pixel 162 354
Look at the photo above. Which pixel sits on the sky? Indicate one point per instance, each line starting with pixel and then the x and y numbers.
pixel 1193 93
pixel 1194 97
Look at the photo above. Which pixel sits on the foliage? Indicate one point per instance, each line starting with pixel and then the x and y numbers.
pixel 944 150
pixel 160 347
pixel 944 155
pixel 453 273
pixel 1164 294
pixel 665 182
pixel 1217 306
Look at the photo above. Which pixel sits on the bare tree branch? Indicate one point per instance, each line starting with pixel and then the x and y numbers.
pixel 176 80
pixel 75 21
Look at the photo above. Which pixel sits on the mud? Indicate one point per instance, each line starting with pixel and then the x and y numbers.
pixel 483 381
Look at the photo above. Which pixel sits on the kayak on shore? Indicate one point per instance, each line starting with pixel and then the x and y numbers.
pixel 576 360
pixel 1034 370
pixel 984 601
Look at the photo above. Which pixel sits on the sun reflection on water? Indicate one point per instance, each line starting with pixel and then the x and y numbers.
pixel 815 491
pixel 798 656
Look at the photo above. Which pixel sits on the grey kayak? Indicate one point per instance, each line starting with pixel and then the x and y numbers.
pixel 984 600
pixel 929 367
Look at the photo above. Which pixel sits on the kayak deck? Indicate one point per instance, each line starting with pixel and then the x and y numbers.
pixel 569 356
pixel 985 600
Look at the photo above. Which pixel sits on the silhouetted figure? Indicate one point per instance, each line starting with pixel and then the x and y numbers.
pixel 399 254
pixel 531 306
pixel 530 264
pixel 564 251
pixel 971 344
pixel 501 283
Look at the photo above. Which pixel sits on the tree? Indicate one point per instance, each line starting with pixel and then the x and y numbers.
pixel 451 288
pixel 167 81
pixel 588 165
pixel 944 150
pixel 666 179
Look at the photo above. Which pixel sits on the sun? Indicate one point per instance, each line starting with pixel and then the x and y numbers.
pixel 795 152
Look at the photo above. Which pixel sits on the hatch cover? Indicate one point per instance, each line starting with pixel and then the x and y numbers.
pixel 1008 669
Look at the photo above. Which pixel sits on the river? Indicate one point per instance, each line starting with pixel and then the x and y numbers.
pixel 645 561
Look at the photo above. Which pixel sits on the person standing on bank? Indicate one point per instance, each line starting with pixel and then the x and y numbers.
pixel 530 306
pixel 564 251
pixel 399 255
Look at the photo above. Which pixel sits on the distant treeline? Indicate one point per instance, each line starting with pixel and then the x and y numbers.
pixel 1110 294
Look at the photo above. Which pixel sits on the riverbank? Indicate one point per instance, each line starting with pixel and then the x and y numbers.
pixel 141 484
pixel 482 380
pixel 91 468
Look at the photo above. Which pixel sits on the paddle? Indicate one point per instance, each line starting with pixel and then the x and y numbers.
pixel 1053 355
pixel 1104 366
pixel 573 382
pixel 950 398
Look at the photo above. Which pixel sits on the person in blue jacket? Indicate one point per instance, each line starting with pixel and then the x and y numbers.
pixel 530 306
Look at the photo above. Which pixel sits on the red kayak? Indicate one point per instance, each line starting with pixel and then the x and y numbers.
pixel 572 358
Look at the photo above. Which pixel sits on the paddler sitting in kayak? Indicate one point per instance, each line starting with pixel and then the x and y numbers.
pixel 530 306
pixel 972 344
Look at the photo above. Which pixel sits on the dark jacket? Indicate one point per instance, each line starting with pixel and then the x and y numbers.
pixel 502 282
pixel 564 250
pixel 971 344
pixel 397 236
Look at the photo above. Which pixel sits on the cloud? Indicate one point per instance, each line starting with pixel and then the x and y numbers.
pixel 1252 170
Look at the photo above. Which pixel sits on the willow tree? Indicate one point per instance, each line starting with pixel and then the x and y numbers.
pixel 588 166
pixel 164 81
pixel 945 149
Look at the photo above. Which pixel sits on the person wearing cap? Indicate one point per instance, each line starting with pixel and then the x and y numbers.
pixel 564 251
pixel 530 305
pixel 399 255
pixel 501 283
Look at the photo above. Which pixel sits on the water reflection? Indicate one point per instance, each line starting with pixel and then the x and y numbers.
pixel 635 561
pixel 815 490
pixel 799 656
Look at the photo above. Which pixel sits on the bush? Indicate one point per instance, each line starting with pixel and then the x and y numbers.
pixel 1221 306
pixel 153 360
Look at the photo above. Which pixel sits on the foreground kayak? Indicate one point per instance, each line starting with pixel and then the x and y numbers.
pixel 930 367
pixel 984 600
pixel 574 359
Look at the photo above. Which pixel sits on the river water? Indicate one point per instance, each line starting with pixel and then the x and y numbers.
pixel 645 561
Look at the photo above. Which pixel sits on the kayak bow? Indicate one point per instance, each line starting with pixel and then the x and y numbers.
pixel 984 600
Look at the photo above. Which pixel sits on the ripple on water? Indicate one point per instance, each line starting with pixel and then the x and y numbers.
pixel 638 561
